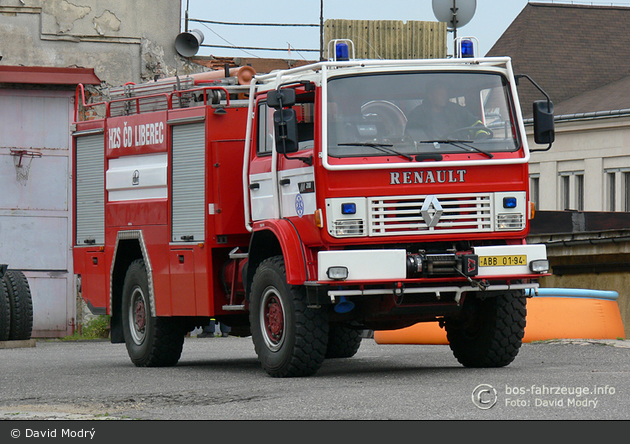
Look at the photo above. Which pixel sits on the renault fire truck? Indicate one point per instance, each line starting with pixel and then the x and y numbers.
pixel 308 205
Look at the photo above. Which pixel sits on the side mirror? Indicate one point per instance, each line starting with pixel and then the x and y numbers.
pixel 282 98
pixel 544 132
pixel 286 130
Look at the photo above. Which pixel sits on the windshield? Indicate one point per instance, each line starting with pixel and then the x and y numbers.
pixel 420 114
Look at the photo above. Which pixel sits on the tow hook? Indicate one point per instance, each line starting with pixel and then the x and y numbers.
pixel 481 285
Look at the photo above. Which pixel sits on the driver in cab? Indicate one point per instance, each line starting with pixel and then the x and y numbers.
pixel 438 118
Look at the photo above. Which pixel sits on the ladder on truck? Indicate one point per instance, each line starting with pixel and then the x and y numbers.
pixel 165 94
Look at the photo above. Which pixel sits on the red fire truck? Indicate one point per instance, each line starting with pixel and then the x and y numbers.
pixel 309 206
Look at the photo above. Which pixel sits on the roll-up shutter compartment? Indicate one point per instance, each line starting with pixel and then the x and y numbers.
pixel 90 190
pixel 188 180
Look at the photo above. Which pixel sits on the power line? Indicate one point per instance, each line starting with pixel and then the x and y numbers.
pixel 230 45
pixel 297 25
pixel 255 48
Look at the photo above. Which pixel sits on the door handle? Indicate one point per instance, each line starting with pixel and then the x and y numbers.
pixel 254 186
pixel 284 182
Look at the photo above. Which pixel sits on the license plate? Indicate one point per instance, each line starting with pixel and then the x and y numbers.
pixel 502 261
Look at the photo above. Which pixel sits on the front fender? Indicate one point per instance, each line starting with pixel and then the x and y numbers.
pixel 274 237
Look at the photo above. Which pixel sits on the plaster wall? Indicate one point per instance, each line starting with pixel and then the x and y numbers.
pixel 122 41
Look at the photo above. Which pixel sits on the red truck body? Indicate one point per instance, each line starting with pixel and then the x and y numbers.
pixel 245 203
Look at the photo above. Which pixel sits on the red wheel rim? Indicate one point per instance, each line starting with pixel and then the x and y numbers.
pixel 272 319
pixel 138 316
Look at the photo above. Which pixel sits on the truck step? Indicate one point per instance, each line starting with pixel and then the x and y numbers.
pixel 234 307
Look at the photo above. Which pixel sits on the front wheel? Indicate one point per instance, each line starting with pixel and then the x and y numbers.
pixel 289 337
pixel 491 330
pixel 151 341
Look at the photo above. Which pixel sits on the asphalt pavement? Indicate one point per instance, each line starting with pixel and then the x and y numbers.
pixel 221 379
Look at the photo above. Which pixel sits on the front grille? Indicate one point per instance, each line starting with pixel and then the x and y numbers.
pixel 405 215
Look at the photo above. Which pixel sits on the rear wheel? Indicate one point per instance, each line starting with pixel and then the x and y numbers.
pixel 289 337
pixel 21 304
pixel 151 341
pixel 491 331
pixel 343 342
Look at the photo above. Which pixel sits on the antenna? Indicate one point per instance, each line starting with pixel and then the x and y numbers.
pixel 456 13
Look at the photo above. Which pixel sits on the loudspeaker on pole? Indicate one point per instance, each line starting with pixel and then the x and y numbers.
pixel 187 43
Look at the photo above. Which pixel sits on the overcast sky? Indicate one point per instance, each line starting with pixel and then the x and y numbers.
pixel 490 20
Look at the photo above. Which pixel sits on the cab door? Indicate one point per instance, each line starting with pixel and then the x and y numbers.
pixel 296 175
pixel 293 193
pixel 261 188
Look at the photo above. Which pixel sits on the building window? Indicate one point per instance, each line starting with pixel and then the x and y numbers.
pixel 566 192
pixel 579 192
pixel 572 190
pixel 534 191
pixel 617 185
pixel 611 186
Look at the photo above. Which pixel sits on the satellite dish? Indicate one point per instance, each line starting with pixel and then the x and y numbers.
pixel 460 10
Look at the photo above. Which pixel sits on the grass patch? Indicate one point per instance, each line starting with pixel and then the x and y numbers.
pixel 96 328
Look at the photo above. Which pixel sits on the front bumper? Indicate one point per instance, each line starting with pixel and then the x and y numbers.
pixel 379 265
pixel 378 272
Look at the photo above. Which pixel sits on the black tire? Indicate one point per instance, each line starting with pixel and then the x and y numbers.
pixel 151 341
pixel 21 304
pixel 491 333
pixel 5 312
pixel 343 342
pixel 289 338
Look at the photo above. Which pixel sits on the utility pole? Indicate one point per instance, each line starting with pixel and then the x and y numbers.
pixel 321 31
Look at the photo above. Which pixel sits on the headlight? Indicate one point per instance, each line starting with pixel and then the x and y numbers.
pixel 346 217
pixel 511 210
pixel 510 221
pixel 344 228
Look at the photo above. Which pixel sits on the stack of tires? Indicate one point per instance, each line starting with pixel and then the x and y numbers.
pixel 16 306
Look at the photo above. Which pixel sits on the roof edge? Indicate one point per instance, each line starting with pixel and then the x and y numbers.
pixel 47 75
pixel 585 5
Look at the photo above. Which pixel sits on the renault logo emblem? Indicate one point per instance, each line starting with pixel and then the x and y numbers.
pixel 431 211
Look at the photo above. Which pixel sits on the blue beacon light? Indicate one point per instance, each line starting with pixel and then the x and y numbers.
pixel 341 51
pixel 467 48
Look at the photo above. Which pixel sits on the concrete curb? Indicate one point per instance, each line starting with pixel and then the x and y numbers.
pixel 17 344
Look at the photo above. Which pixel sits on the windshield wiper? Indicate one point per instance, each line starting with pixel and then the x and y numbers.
pixel 384 147
pixel 463 144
